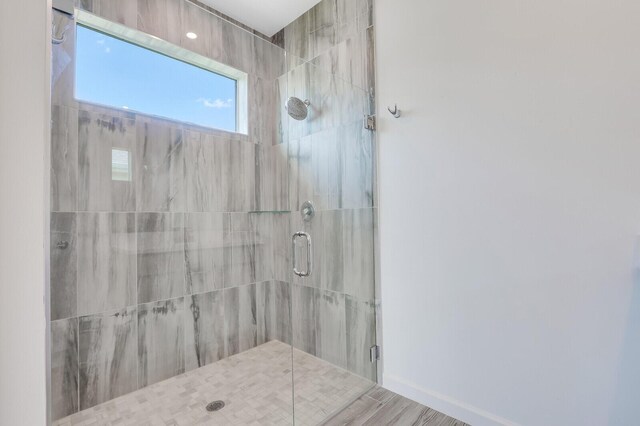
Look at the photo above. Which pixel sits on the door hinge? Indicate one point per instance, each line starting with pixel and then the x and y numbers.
pixel 370 122
pixel 374 353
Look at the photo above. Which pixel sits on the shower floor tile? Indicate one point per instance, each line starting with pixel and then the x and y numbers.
pixel 255 385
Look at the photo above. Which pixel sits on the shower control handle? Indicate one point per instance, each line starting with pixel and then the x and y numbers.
pixel 309 254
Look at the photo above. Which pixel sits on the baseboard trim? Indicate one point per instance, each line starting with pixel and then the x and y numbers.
pixel 447 405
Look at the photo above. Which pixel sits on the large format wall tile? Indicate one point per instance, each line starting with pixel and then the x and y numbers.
pixel 322 27
pixel 107 356
pixel 64 367
pixel 302 176
pixel 121 11
pixel 350 10
pixel 160 181
pixel 327 167
pixel 303 318
pixel 239 46
pixel 263 311
pixel 296 40
pixel 64 158
pixel 219 29
pixel 204 251
pixel 262 110
pixel 269 62
pixel 337 101
pixel 262 226
pixel 160 18
pixel 357 153
pixel 160 256
pixel 333 167
pixel 359 257
pixel 259 248
pixel 204 329
pixel 280 303
pixel 160 341
pixel 349 57
pixel 271 242
pixel 242 183
pixel 332 261
pixel 207 172
pixel 331 343
pixel 198 21
pixel 106 261
pixel 316 169
pixel 240 265
pixel 281 246
pixel 273 311
pixel 272 178
pixel 106 157
pixel 64 266
pixel 240 319
pixel 361 336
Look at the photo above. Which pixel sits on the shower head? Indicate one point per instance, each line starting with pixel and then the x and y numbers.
pixel 297 109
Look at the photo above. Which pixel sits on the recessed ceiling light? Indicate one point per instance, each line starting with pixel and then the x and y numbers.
pixel 192 36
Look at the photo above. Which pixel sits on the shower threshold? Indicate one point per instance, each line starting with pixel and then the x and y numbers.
pixel 255 386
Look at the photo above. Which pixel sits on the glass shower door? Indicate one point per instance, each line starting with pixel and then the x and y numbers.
pixel 331 188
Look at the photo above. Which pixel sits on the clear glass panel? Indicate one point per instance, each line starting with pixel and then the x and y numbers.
pixel 170 243
pixel 331 163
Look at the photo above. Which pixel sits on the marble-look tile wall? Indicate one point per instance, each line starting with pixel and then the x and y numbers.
pixel 332 163
pixel 186 260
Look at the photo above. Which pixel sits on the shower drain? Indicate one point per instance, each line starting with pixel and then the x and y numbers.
pixel 215 406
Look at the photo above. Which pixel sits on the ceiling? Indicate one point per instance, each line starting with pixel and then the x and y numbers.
pixel 266 16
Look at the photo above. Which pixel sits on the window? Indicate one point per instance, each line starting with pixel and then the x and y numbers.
pixel 126 69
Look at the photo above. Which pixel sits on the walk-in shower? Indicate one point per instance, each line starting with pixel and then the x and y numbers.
pixel 212 241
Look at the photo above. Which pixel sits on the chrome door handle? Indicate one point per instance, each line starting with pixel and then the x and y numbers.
pixel 309 254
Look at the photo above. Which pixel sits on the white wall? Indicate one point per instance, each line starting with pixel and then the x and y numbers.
pixel 24 129
pixel 510 207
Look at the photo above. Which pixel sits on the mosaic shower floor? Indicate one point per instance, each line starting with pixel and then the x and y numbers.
pixel 255 386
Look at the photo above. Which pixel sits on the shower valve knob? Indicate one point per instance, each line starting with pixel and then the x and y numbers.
pixel 307 211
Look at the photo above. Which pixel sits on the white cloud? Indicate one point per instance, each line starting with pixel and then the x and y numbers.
pixel 216 103
pixel 102 44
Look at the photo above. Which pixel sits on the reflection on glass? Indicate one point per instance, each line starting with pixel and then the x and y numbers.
pixel 119 74
pixel 120 165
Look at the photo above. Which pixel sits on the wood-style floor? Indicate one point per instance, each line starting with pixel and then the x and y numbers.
pixel 382 407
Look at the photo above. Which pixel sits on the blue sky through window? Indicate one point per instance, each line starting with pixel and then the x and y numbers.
pixel 116 73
